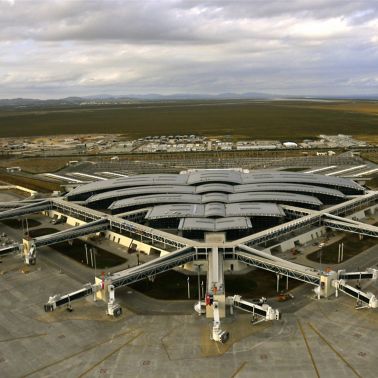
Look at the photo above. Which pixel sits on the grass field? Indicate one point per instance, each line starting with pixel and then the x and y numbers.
pixel 292 120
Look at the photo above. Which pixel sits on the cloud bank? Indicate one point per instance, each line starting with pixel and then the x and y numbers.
pixel 62 48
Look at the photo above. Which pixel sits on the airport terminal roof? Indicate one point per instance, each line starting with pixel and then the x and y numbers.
pixel 221 180
pixel 211 192
pixel 215 209
pixel 138 190
pixel 277 187
pixel 214 200
pixel 274 197
pixel 217 225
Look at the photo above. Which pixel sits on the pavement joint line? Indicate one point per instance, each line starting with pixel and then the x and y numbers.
pixel 76 354
pixel 335 351
pixel 110 354
pixel 166 335
pixel 308 348
pixel 239 369
pixel 348 307
pixel 23 337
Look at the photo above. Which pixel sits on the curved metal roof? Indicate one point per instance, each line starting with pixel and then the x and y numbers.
pixel 254 209
pixel 298 177
pixel 200 177
pixel 214 197
pixel 215 210
pixel 244 209
pixel 222 181
pixel 215 200
pixel 138 190
pixel 176 211
pixel 277 197
pixel 288 188
pixel 221 224
pixel 155 199
pixel 125 182
pixel 214 187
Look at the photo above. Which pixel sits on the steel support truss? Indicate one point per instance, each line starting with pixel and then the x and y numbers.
pixel 362 229
pixel 117 224
pixel 27 209
pixel 272 266
pixel 10 249
pixel 72 233
pixel 151 269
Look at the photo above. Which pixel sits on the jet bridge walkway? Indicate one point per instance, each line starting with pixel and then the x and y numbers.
pixel 363 299
pixel 258 259
pixel 71 233
pixel 27 209
pixel 307 219
pixel 61 300
pixel 369 274
pixel 127 276
pixel 349 225
pixel 10 249
pixel 16 204
pixel 262 310
pixel 152 268
pixel 123 226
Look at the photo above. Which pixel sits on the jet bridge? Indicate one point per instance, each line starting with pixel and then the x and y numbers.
pixel 27 209
pixel 363 299
pixel 14 204
pixel 348 225
pixel 61 300
pixel 258 310
pixel 10 249
pixel 125 277
pixel 369 274
pixel 30 245
pixel 259 259
pixel 152 268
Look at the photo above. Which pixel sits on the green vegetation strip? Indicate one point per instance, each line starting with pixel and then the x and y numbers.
pixel 282 120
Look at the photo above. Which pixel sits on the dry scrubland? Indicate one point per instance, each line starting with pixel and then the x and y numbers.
pixel 33 183
pixel 37 165
pixel 292 120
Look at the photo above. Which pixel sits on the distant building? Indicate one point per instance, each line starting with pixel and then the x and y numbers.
pixel 13 169
pixel 290 145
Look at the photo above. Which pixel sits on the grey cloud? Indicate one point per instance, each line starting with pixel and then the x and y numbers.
pixel 161 21
pixel 57 48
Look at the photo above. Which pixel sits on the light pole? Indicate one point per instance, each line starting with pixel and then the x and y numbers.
pixel 94 258
pixel 187 280
pixel 27 226
pixel 86 252
pixel 320 258
pixel 199 286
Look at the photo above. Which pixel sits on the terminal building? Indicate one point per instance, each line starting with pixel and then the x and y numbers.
pixel 222 220
pixel 192 204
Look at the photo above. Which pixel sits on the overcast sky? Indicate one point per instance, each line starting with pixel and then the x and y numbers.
pixel 57 48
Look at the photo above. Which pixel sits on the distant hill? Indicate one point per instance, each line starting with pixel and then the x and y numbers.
pixel 103 99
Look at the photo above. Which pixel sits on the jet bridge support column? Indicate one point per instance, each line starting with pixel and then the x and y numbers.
pixel 326 289
pixel 215 284
pixel 106 293
pixel 29 251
